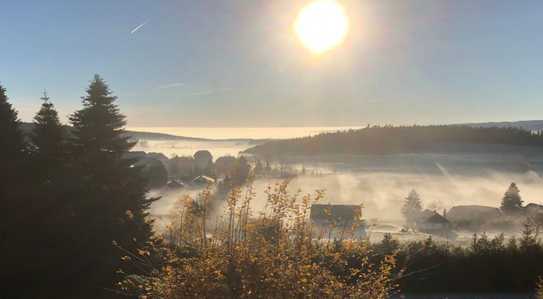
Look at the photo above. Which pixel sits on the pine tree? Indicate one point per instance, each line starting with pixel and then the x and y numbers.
pixel 18 211
pixel 12 164
pixel 12 147
pixel 112 205
pixel 47 138
pixel 412 208
pixel 512 202
pixel 11 140
pixel 528 240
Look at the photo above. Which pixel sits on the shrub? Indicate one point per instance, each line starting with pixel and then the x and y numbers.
pixel 269 256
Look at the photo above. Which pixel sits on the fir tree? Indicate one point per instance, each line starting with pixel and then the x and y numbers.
pixel 412 208
pixel 112 206
pixel 512 202
pixel 11 140
pixel 528 240
pixel 47 137
pixel 13 186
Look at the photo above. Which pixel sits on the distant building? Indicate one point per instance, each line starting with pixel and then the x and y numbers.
pixel 337 221
pixel 434 223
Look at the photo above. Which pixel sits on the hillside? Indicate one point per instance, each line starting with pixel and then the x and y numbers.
pixel 389 140
pixel 530 125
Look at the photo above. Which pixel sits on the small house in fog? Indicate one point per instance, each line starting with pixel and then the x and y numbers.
pixel 337 221
pixel 434 223
pixel 203 180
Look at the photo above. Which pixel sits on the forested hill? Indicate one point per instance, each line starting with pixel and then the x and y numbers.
pixel 388 139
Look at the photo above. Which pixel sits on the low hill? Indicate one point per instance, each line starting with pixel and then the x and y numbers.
pixel 389 140
pixel 138 135
pixel 529 125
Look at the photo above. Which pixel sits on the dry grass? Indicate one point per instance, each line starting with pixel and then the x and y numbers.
pixel 272 255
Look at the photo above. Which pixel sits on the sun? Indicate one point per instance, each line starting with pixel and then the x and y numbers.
pixel 322 25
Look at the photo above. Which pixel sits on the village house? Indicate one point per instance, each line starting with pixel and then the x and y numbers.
pixel 431 222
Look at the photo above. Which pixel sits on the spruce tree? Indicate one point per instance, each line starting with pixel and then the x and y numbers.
pixel 412 208
pixel 11 139
pixel 14 182
pixel 112 204
pixel 12 163
pixel 512 202
pixel 47 138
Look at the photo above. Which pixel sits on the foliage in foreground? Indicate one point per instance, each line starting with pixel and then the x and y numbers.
pixel 539 294
pixel 272 256
pixel 487 266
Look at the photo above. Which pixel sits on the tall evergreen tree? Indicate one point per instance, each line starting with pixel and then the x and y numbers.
pixel 512 202
pixel 412 208
pixel 12 158
pixel 16 207
pixel 42 214
pixel 112 204
pixel 12 146
pixel 11 139
pixel 47 137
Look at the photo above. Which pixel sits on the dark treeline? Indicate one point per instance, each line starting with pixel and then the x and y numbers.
pixel 71 203
pixel 487 266
pixel 390 139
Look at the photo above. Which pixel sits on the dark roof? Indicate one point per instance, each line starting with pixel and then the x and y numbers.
pixel 436 218
pixel 335 212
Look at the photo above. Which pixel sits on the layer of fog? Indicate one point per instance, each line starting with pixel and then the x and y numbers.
pixel 382 193
pixel 171 148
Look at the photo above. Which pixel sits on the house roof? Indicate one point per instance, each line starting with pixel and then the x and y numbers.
pixel 436 218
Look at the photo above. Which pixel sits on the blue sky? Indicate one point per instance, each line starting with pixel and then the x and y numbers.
pixel 238 63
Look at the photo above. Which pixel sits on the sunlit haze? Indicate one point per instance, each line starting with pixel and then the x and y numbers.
pixel 241 63
pixel 322 25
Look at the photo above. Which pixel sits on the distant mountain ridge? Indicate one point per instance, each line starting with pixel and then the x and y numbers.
pixel 529 125
pixel 404 139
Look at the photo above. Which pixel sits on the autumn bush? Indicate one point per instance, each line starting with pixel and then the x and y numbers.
pixel 539 291
pixel 270 255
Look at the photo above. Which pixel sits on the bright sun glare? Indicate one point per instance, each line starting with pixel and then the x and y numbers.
pixel 322 25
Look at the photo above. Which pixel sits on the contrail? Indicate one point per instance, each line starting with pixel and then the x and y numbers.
pixel 171 85
pixel 138 27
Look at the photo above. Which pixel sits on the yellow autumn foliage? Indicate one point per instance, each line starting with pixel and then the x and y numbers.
pixel 272 255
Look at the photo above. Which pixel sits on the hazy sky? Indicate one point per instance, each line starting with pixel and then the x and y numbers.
pixel 238 63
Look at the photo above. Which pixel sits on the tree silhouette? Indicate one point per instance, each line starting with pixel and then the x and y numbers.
pixel 412 208
pixel 11 140
pixel 47 137
pixel 112 204
pixel 512 202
